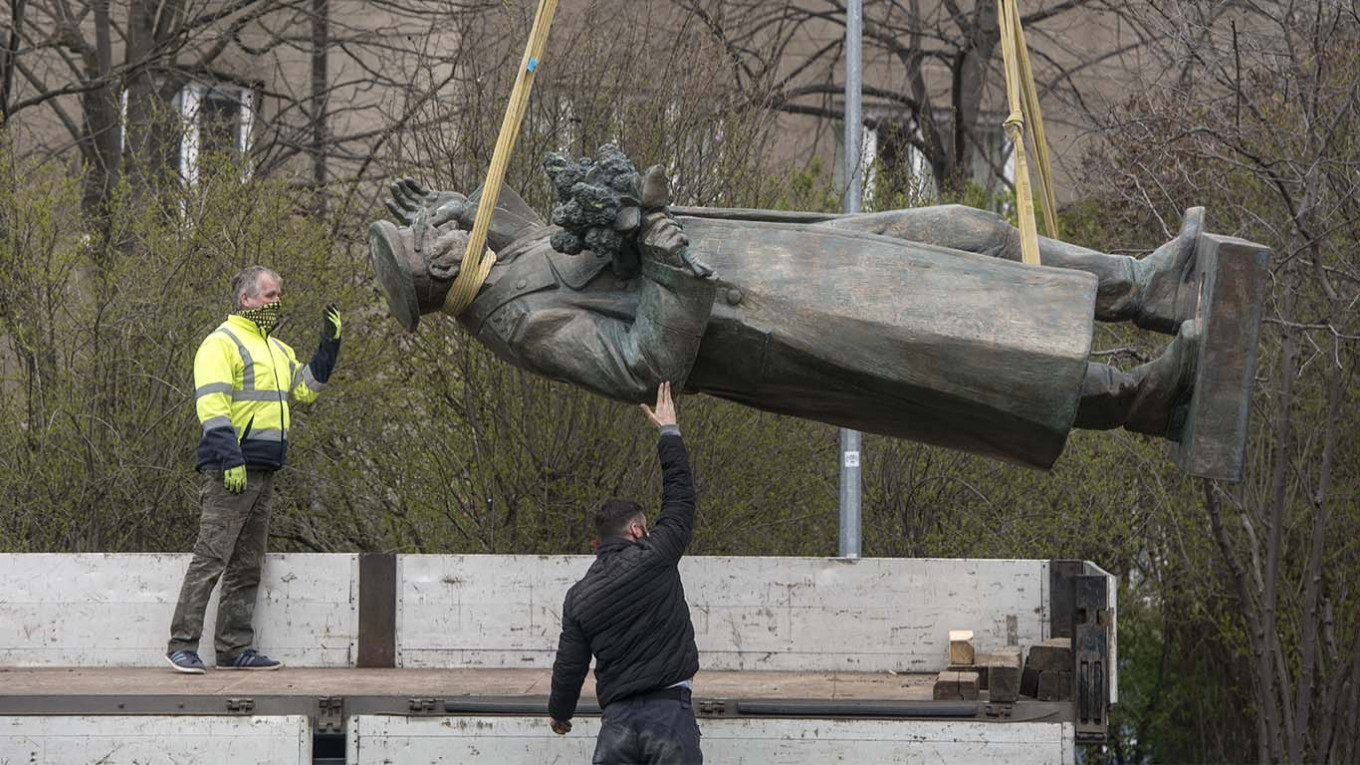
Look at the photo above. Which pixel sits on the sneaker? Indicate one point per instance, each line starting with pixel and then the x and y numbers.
pixel 248 659
pixel 186 662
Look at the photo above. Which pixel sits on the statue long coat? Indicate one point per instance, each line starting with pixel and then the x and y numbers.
pixel 824 321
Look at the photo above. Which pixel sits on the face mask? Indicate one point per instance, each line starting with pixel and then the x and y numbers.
pixel 265 317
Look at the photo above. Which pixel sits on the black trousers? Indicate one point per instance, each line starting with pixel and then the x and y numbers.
pixel 657 727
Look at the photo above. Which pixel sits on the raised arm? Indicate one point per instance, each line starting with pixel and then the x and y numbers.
pixel 309 379
pixel 675 527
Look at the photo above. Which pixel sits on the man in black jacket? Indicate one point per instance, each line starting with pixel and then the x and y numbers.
pixel 629 611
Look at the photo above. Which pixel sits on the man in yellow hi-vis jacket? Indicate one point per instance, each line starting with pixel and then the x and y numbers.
pixel 243 378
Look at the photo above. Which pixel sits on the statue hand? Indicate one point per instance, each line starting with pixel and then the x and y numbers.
pixel 410 199
pixel 665 242
pixel 444 249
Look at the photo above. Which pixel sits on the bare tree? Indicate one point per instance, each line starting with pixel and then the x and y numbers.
pixel 1259 121
pixel 111 75
pixel 931 69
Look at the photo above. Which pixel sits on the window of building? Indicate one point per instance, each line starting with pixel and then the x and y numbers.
pixel 899 173
pixel 994 155
pixel 215 119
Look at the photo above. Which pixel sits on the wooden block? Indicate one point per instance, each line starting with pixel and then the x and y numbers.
pixel 1029 682
pixel 1211 428
pixel 955 686
pixel 1004 675
pixel 946 686
pixel 1008 653
pixel 1055 686
pixel 980 668
pixel 984 661
pixel 961 647
pixel 1004 684
pixel 1054 654
pixel 968 686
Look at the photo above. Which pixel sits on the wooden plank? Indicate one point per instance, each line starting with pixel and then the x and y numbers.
pixel 1060 595
pixel 950 685
pixel 1112 597
pixel 314 682
pixel 377 632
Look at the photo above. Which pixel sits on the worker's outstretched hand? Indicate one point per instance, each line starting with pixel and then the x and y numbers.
pixel 234 479
pixel 664 414
pixel 331 326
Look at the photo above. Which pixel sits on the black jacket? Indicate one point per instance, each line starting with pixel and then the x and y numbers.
pixel 629 609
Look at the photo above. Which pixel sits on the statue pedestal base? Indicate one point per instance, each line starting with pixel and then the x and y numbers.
pixel 1209 430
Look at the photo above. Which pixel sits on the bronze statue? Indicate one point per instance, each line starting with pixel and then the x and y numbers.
pixel 917 323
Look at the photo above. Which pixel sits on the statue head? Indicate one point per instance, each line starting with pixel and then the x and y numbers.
pixel 417 257
pixel 416 266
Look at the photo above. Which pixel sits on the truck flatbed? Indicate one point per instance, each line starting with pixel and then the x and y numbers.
pixel 445 658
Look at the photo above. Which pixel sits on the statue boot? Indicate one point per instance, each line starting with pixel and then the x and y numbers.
pixel 1154 292
pixel 1165 279
pixel 1143 399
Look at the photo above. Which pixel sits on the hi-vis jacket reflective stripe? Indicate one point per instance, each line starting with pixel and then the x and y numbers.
pixel 243 381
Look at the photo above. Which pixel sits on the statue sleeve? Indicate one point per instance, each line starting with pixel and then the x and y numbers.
pixel 620 359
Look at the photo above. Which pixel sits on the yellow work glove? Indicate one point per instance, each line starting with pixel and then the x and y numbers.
pixel 332 326
pixel 235 479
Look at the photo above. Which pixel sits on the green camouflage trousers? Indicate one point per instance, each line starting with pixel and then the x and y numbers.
pixel 231 539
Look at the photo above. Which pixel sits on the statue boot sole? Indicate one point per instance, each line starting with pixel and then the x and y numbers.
pixel 1210 429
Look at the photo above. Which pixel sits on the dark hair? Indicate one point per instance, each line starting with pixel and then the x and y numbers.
pixel 614 516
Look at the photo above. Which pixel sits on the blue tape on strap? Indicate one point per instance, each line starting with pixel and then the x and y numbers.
pixel 533 63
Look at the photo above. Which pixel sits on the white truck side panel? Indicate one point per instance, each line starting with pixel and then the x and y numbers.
pixel 137 740
pixel 782 614
pixel 374 740
pixel 114 610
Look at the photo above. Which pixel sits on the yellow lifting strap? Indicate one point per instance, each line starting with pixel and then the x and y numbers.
pixel 1020 84
pixel 477 260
